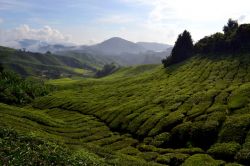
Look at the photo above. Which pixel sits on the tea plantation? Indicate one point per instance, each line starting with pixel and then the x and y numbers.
pixel 192 113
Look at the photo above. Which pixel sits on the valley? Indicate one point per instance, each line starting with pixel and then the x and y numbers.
pixel 188 113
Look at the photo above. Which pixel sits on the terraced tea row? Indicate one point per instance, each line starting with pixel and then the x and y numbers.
pixel 71 127
pixel 201 99
pixel 74 129
pixel 83 131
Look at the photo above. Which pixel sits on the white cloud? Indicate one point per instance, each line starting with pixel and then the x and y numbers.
pixel 47 34
pixel 198 16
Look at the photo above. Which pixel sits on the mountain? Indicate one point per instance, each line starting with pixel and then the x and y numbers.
pixel 123 52
pixel 151 46
pixel 115 49
pixel 117 46
pixel 112 46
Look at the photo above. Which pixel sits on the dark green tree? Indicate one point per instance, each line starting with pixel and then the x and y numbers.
pixel 241 40
pixel 1 68
pixel 232 26
pixel 106 70
pixel 48 53
pixel 182 50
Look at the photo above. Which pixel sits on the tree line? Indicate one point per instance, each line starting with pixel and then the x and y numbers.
pixel 234 39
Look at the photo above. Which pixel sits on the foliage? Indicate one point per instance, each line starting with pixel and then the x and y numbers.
pixel 160 139
pixel 235 128
pixel 201 159
pixel 214 43
pixel 224 151
pixel 147 115
pixel 231 27
pixel 1 68
pixel 106 70
pixel 182 50
pixel 16 90
pixel 19 149
pixel 173 159
pixel 234 40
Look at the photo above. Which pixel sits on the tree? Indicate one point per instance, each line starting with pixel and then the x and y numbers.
pixel 48 53
pixel 211 44
pixel 241 40
pixel 232 26
pixel 106 70
pixel 182 50
pixel 1 68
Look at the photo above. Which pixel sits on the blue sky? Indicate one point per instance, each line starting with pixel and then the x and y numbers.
pixel 92 21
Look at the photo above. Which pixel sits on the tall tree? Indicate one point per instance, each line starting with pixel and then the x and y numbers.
pixel 232 26
pixel 182 50
pixel 1 68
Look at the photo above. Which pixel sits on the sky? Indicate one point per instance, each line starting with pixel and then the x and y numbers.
pixel 92 21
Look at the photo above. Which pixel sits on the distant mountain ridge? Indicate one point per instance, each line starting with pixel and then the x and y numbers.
pixel 153 46
pixel 115 49
pixel 113 46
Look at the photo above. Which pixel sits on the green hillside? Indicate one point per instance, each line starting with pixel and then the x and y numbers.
pixel 192 113
pixel 96 61
pixel 46 65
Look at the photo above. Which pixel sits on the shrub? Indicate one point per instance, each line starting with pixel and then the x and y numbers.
pixel 180 135
pixel 224 151
pixel 173 159
pixel 240 97
pixel 204 134
pixel 24 150
pixel 148 156
pixel 235 128
pixel 243 156
pixel 202 159
pixel 189 151
pixel 167 123
pixel 161 139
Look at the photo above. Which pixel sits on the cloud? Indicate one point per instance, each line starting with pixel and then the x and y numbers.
pixel 11 37
pixel 1 20
pixel 200 17
pixel 115 19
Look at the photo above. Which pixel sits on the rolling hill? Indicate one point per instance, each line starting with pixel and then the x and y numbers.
pixel 192 113
pixel 48 65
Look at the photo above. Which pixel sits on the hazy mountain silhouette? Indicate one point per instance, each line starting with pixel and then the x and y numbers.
pixel 152 46
pixel 116 46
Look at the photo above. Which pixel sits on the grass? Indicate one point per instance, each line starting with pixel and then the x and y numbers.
pixel 188 114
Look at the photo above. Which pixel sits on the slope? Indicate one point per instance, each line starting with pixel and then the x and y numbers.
pixel 36 64
pixel 184 114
